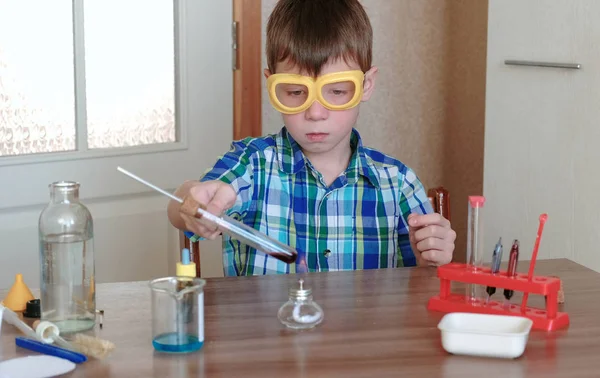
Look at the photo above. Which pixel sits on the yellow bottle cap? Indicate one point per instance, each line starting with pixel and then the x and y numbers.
pixel 186 268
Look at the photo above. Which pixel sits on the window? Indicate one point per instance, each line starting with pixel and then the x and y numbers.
pixel 141 84
pixel 86 78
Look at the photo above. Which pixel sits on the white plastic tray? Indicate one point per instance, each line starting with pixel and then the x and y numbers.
pixel 484 335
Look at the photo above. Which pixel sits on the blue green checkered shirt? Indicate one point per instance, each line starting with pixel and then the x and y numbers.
pixel 358 222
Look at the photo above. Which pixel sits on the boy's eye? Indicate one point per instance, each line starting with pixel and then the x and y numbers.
pixel 292 90
pixel 339 89
pixel 339 92
pixel 292 95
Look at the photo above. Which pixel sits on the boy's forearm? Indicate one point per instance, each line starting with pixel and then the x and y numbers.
pixel 174 206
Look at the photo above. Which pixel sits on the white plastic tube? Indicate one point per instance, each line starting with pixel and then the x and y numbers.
pixel 12 318
pixel 45 332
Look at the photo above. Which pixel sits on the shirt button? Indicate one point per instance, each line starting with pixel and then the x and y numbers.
pixel 326 253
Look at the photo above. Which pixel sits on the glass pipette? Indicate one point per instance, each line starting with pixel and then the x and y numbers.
pixel 234 228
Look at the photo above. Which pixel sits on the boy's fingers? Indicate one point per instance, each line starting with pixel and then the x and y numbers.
pixel 222 200
pixel 198 227
pixel 411 237
pixel 418 220
pixel 217 196
pixel 432 238
pixel 213 235
pixel 203 192
pixel 207 230
pixel 431 232
pixel 430 244
pixel 437 257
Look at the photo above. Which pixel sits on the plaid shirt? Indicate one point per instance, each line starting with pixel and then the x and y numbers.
pixel 358 222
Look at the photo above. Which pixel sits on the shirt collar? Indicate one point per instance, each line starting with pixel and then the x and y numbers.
pixel 291 158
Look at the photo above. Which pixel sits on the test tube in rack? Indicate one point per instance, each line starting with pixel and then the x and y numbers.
pixel 475 293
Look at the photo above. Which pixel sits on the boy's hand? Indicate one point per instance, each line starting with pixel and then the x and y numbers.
pixel 217 196
pixel 431 238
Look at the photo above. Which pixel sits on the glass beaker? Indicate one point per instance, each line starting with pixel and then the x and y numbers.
pixel 177 314
pixel 67 287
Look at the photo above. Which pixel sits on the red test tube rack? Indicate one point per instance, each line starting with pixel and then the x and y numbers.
pixel 548 319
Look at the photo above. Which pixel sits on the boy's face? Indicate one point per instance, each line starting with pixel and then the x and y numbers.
pixel 319 130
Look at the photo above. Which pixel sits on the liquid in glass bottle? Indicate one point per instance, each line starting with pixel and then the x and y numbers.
pixel 67 286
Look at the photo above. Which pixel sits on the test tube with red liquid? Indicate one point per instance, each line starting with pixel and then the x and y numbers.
pixel 475 293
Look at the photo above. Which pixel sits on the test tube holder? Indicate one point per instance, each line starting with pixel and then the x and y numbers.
pixel 548 319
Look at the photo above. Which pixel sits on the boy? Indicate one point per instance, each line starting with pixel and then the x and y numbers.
pixel 314 186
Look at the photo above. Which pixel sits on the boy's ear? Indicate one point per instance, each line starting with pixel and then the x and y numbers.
pixel 267 73
pixel 369 83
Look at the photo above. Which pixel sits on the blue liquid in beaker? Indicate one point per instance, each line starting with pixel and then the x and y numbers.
pixel 173 343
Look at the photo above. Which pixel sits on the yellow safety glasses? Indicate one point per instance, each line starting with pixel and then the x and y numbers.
pixel 292 94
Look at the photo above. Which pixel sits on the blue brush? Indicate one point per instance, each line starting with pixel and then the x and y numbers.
pixel 50 350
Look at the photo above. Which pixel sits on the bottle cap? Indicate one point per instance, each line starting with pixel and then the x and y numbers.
pixel 45 331
pixel 300 292
pixel 32 309
pixel 185 268
pixel 18 295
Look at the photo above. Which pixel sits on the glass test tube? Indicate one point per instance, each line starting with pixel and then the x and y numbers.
pixel 234 228
pixel 251 237
pixel 475 293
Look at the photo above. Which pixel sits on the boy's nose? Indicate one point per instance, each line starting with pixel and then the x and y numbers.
pixel 316 112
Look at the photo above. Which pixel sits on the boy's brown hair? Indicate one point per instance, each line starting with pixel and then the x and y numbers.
pixel 308 33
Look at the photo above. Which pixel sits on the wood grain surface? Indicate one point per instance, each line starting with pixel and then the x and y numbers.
pixel 376 325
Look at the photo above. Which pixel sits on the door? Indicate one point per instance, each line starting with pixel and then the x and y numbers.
pixel 541 132
pixel 153 94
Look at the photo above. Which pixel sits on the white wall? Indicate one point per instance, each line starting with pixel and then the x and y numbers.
pixel 542 128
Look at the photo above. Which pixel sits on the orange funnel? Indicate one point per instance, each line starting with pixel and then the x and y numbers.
pixel 18 295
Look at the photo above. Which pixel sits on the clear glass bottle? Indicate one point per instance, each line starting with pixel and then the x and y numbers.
pixel 300 311
pixel 67 287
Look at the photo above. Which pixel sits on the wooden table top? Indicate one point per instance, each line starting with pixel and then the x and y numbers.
pixel 376 325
